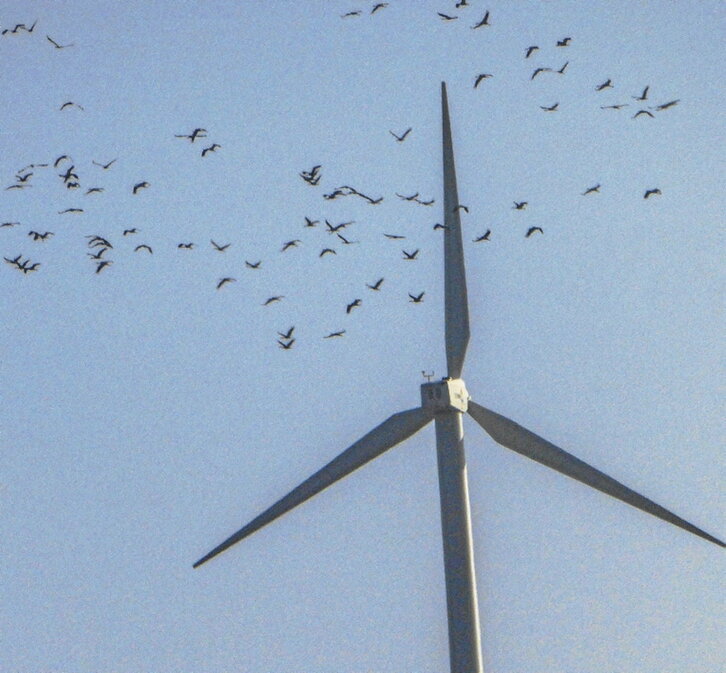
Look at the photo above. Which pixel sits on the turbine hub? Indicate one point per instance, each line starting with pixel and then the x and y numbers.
pixel 445 395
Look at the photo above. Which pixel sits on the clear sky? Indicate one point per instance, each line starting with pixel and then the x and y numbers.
pixel 146 415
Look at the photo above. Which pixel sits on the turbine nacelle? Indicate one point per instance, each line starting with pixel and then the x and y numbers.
pixel 445 395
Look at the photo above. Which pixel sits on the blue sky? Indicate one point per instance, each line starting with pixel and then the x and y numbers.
pixel 147 415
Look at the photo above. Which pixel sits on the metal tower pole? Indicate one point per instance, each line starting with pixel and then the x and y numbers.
pixel 461 602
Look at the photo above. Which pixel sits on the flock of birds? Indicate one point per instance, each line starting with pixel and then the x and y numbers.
pixel 100 247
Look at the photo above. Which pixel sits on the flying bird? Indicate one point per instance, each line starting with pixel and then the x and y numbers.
pixel 335 334
pixel 290 244
pixel 196 133
pixel 619 106
pixel 70 210
pixel 9 224
pixel 531 50
pixel 438 225
pixel 403 136
pixel 212 148
pixel 643 112
pixel 253 265
pixel 410 255
pixel 140 185
pixel 226 279
pixel 271 300
pixel 133 230
pixel 483 237
pixel 288 334
pixel 551 108
pixel 538 71
pixel 62 157
pixel 407 198
pixel 94 190
pixel 143 246
pixel 376 286
pixel 446 17
pixel 185 246
pixel 218 247
pixel 103 264
pixel 461 207
pixel 590 190
pixel 377 6
pixel 651 192
pixel 56 45
pixel 607 84
pixel 394 236
pixel 531 231
pixel 483 22
pixel 561 71
pixel 430 202
pixel 355 12
pixel 105 166
pixel 355 303
pixel 98 254
pixel 326 251
pixel 519 205
pixel 480 77
pixel 71 104
pixel 665 106
pixel 37 236
pixel 286 346
pixel 564 42
pixel 345 240
pixel 644 95
pixel 310 223
pixel 417 299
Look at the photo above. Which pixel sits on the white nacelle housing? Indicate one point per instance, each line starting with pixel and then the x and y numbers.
pixel 445 395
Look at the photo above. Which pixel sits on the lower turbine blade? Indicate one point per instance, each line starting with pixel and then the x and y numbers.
pixel 392 431
pixel 519 439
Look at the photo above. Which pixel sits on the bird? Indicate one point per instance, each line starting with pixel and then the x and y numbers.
pixel 326 251
pixel 376 286
pixel 94 190
pixel 23 178
pixel 483 22
pixel 310 223
pixel 105 166
pixel 651 192
pixel 643 96
pixel 286 346
pixel 335 334
pixel 461 3
pixel 225 280
pixel 519 205
pixel 430 202
pixel 212 148
pixel 288 334
pixel 417 299
pixel 253 265
pixel 71 104
pixel 15 261
pixel 56 45
pixel 394 236
pixel 98 254
pixel 196 133
pixel 607 84
pixel 345 240
pixel 143 246
pixel 290 244
pixel 446 17
pixel 103 264
pixel 9 224
pixel 26 267
pixel 96 241
pixel 134 230
pixel 355 303
pixel 564 42
pixel 619 106
pixel 403 136
pixel 140 185
pixel 480 77
pixel 590 190
pixel 643 112
pixel 665 106
pixel 407 198
pixel 70 210
pixel 218 247
pixel 185 246
pixel 461 207
pixel 17 186
pixel 530 50
pixel 438 225
pixel 538 71
pixel 62 157
pixel 483 237
pixel 271 300
pixel 355 12
pixel 561 71
pixel 531 231
pixel 377 6
pixel 551 108
pixel 410 255
pixel 37 236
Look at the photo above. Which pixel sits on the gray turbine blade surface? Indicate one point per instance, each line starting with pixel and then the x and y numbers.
pixel 455 299
pixel 392 431
pixel 519 439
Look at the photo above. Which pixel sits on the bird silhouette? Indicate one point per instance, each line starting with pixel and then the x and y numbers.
pixel 532 230
pixel 140 185
pixel 226 279
pixel 643 96
pixel 538 71
pixel 94 190
pixel 25 177
pixel 607 84
pixel 71 104
pixel 37 236
pixel 97 241
pixel 590 190
pixel 651 192
pixel 643 112
pixel 416 299
pixel 128 232
pixel 310 223
pixel 105 166
pixel 62 157
pixel 56 45
pixel 407 198
pixel 288 334
pixel 271 300
pixel 345 240
pixel 9 224
pixel 286 346
pixel 253 265
pixel 483 22
pixel 484 237
pixel 354 304
pixel 461 207
pixel 143 246
pixel 665 106
pixel 519 205
pixel 196 133
pixel 480 77
pixel 332 335
pixel 185 246
pixel 619 106
pixel 218 247
pixel 410 255
pixel 394 237
pixel 376 286
pixel 355 12
pixel 429 202
pixel 438 225
pixel 70 210
pixel 403 136
pixel 98 254
pixel 212 148
pixel 561 71
pixel 290 244
pixel 564 42
pixel 446 17
pixel 530 50
pixel 377 6
pixel 326 251
pixel 551 108
pixel 103 264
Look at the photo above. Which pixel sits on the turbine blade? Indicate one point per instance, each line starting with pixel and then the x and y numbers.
pixel 455 298
pixel 519 439
pixel 392 431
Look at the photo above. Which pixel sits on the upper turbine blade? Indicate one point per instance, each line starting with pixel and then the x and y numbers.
pixel 519 439
pixel 392 431
pixel 455 299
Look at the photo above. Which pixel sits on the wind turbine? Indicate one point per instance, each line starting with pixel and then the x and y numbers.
pixel 445 402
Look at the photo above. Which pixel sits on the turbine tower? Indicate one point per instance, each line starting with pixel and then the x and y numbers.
pixel 445 402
